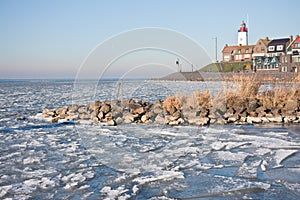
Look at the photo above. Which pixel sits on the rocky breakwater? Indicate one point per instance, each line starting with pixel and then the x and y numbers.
pixel 197 109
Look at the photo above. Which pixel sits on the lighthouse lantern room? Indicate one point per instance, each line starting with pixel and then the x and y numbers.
pixel 243 35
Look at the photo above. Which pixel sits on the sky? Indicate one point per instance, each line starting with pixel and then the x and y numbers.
pixel 57 38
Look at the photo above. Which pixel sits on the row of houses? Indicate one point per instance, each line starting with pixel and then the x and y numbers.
pixel 277 55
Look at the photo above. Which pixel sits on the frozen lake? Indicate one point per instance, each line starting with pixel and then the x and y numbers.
pixel 39 160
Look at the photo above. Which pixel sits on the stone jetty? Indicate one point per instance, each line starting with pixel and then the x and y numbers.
pixel 198 110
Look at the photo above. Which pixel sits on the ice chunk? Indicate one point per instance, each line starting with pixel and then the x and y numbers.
pixel 47 183
pixel 135 189
pixel 263 165
pixel 113 194
pixel 165 176
pixel 4 190
pixel 282 154
pixel 229 157
pixel 249 170
pixel 217 145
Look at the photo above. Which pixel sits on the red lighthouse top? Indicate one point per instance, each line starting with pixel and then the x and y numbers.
pixel 243 27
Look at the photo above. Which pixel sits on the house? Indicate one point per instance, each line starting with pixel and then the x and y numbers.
pixel 270 55
pixel 261 47
pixel 277 47
pixel 237 53
pixel 291 62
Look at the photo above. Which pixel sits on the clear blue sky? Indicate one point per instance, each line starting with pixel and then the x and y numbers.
pixel 50 39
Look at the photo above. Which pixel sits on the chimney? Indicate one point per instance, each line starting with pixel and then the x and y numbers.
pixel 267 38
pixel 291 38
pixel 297 36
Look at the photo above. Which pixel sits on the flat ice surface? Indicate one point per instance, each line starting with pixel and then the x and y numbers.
pixel 39 160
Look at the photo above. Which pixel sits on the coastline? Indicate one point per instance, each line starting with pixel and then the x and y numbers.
pixel 227 76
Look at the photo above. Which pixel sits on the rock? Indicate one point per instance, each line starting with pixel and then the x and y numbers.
pixel 105 108
pixel 84 116
pixel 100 115
pixel 95 119
pixel 275 119
pixel 199 121
pixel 269 115
pixel 72 116
pixel 94 106
pixel 220 121
pixel 232 119
pixel 243 119
pixel 261 112
pixel 159 119
pixel 61 111
pixel 63 116
pixel 254 120
pixel 54 119
pixel 158 110
pixel 139 110
pixel 144 118
pixel 175 116
pixel 73 108
pixel 128 117
pixel 82 110
pixel 289 119
pixel 48 113
pixel 111 123
pixel 108 117
pixel 20 118
pixel 119 120
pixel 265 120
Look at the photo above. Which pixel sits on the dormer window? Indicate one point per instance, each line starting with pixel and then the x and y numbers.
pixel 271 48
pixel 279 47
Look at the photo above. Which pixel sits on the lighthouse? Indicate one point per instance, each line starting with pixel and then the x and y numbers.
pixel 243 35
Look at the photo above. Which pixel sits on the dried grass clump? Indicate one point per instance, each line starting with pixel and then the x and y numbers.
pixel 242 87
pixel 172 104
pixel 203 98
pixel 281 92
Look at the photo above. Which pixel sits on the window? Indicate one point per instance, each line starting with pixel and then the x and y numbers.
pixel 284 69
pixel 271 48
pixel 262 49
pixel 279 47
pixel 239 51
pixel 297 45
pixel 247 50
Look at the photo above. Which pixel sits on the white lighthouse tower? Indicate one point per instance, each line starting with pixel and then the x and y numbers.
pixel 243 35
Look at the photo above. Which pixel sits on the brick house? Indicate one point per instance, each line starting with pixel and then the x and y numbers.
pixel 291 62
pixel 270 58
pixel 237 53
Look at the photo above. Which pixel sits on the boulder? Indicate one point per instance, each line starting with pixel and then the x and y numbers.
pixel 73 108
pixel 252 120
pixel 111 123
pixel 175 116
pixel 139 110
pixel 61 111
pixel 100 115
pixel 277 119
pixel 82 110
pixel 128 117
pixel 159 119
pixel 105 108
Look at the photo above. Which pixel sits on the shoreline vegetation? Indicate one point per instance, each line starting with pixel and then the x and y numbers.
pixel 241 102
